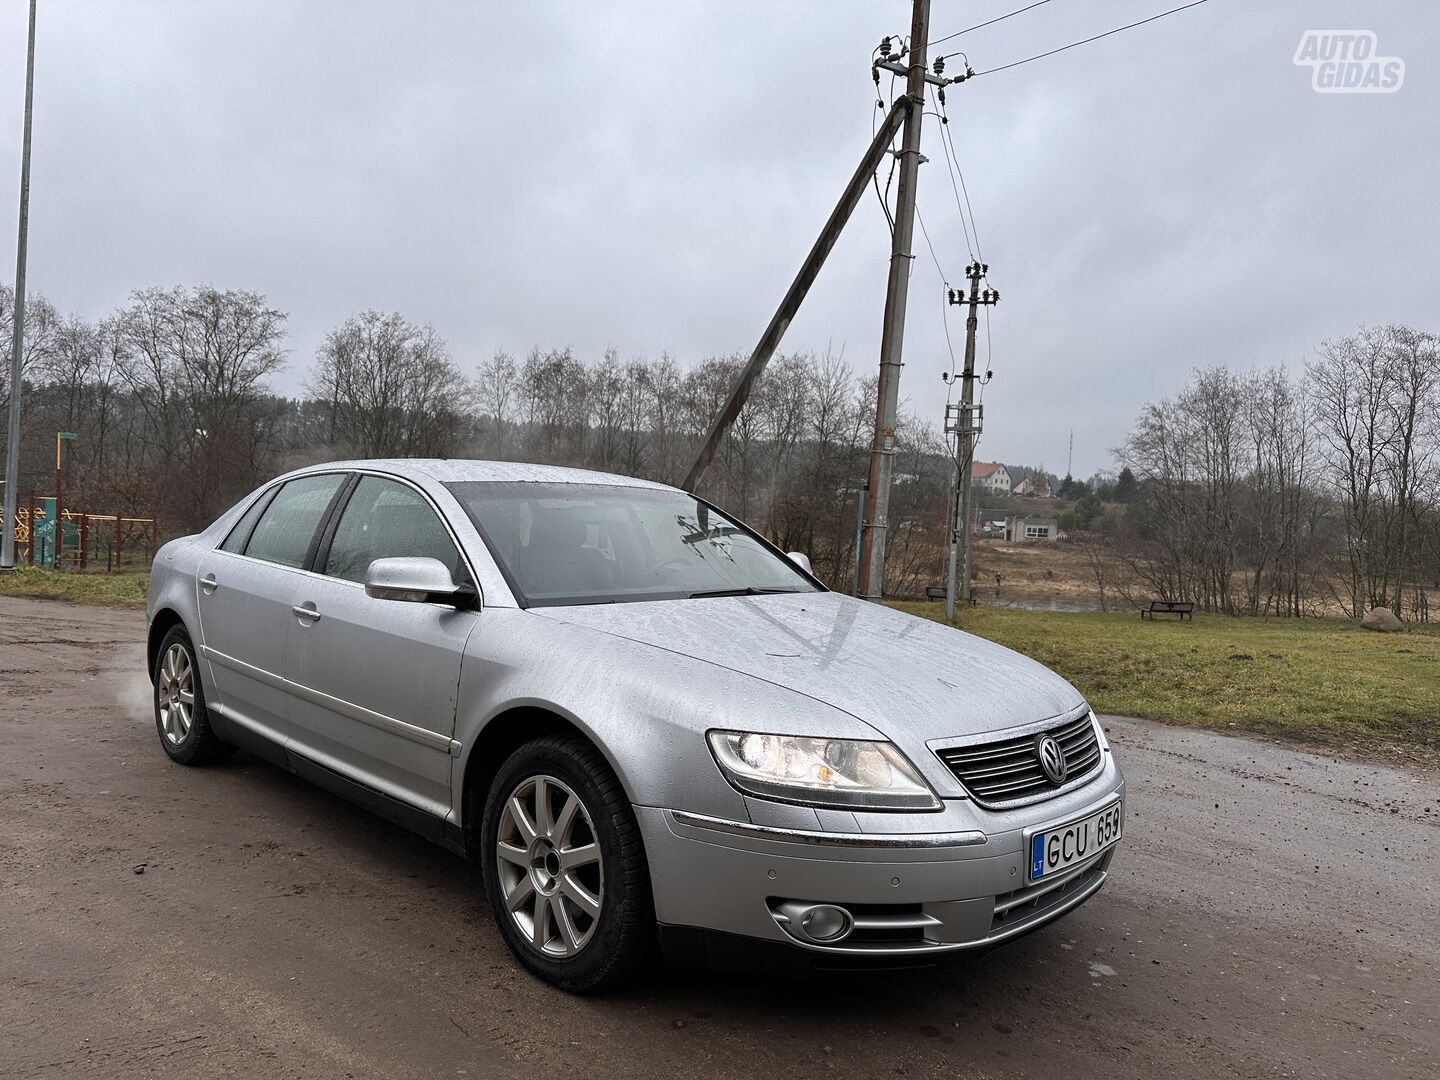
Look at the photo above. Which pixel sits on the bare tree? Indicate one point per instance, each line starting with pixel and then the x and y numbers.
pixel 496 386
pixel 41 324
pixel 393 387
pixel 196 360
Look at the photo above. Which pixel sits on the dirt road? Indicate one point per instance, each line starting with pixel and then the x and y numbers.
pixel 1271 913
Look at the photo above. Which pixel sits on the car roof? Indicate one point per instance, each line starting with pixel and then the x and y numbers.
pixel 459 470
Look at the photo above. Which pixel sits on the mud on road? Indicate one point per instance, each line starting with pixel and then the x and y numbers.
pixel 1271 913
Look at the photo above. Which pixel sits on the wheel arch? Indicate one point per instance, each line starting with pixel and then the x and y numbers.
pixel 164 621
pixel 502 735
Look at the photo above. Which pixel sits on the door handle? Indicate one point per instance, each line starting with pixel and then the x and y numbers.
pixel 208 584
pixel 307 613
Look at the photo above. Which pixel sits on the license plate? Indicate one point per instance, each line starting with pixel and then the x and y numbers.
pixel 1054 850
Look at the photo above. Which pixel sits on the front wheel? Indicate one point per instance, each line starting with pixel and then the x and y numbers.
pixel 564 866
pixel 180 714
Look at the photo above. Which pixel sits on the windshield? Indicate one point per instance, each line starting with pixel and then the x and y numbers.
pixel 600 544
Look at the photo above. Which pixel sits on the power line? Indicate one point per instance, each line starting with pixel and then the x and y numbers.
pixel 990 22
pixel 1086 41
pixel 975 229
pixel 926 233
pixel 952 165
pixel 945 291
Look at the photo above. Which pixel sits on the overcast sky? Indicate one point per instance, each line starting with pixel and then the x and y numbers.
pixel 650 175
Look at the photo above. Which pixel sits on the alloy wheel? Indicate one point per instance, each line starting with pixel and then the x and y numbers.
pixel 549 866
pixel 175 694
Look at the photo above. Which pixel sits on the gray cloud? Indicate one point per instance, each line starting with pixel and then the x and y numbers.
pixel 648 176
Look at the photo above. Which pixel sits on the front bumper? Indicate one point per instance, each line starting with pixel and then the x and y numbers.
pixel 912 896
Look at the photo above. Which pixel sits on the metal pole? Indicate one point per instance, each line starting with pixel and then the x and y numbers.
pixel 892 338
pixel 966 439
pixel 785 313
pixel 12 434
pixel 59 526
pixel 967 428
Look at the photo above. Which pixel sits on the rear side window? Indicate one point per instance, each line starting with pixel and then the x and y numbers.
pixel 384 519
pixel 241 532
pixel 288 524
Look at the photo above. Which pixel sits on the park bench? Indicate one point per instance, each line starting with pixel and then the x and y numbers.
pixel 937 592
pixel 1182 608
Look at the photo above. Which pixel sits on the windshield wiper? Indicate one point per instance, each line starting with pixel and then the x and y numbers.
pixel 747 590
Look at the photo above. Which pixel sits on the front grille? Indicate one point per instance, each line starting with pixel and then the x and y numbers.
pixel 1008 771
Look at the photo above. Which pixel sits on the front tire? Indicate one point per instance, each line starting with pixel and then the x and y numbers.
pixel 181 718
pixel 565 868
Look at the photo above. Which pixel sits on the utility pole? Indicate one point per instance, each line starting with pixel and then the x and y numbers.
pixel 17 345
pixel 906 110
pixel 892 337
pixel 965 426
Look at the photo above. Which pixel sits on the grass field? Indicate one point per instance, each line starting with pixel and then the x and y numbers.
pixel 1322 681
pixel 117 590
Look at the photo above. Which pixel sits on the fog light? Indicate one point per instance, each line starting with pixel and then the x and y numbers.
pixel 820 924
pixel 825 922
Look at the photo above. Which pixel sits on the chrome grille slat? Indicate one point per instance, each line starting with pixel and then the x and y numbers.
pixel 999 770
pixel 1008 771
pixel 990 754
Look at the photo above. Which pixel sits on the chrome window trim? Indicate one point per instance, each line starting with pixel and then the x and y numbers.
pixel 920 841
pixel 444 521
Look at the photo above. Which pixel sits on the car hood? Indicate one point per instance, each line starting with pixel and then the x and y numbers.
pixel 910 678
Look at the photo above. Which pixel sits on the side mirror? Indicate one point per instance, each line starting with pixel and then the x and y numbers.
pixel 415 581
pixel 800 559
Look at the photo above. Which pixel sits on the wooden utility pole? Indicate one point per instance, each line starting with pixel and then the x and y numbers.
pixel 892 337
pixel 12 435
pixel 966 429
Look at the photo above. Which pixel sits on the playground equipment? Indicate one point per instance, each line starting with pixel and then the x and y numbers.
pixel 86 540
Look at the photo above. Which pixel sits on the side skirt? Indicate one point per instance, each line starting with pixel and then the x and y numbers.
pixel 377 802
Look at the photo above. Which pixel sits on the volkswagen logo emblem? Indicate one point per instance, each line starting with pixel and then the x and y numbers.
pixel 1052 758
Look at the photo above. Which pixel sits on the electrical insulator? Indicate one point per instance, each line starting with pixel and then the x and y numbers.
pixel 884 48
pixel 939 65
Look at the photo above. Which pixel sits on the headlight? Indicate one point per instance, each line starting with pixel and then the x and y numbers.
pixel 845 773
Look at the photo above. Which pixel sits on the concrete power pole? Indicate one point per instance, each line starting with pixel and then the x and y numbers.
pixel 12 435
pixel 966 429
pixel 892 338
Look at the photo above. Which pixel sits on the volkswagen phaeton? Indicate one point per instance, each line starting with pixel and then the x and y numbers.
pixel 642 721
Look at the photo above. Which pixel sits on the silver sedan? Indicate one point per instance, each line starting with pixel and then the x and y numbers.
pixel 643 722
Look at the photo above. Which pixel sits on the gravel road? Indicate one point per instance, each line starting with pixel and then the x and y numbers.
pixel 1271 913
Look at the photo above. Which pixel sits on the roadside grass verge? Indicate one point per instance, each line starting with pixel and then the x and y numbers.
pixel 1320 681
pixel 114 590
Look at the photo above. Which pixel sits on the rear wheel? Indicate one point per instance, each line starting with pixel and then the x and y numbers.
pixel 564 868
pixel 181 718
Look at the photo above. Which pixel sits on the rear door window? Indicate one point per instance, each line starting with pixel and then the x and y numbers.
pixel 289 524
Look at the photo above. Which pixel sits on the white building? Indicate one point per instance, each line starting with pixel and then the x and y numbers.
pixel 1036 485
pixel 991 477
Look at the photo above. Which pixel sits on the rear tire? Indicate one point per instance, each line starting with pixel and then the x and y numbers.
pixel 181 718
pixel 565 868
